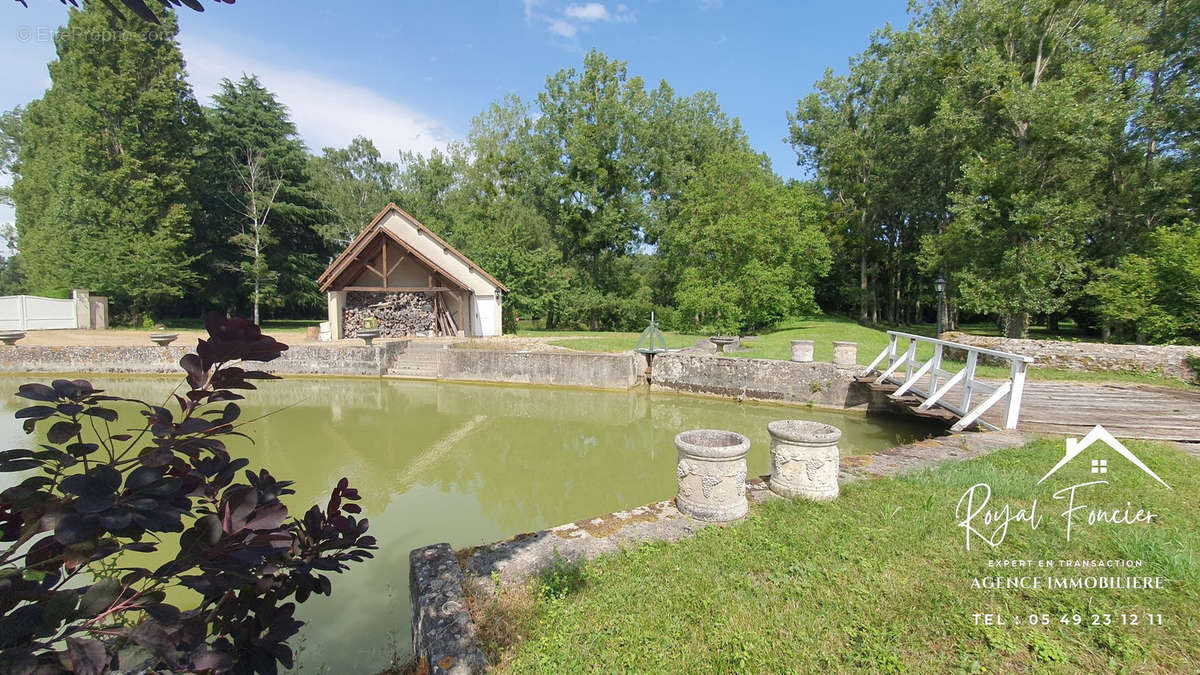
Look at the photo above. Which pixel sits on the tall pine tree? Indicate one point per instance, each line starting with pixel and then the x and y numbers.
pixel 249 131
pixel 102 194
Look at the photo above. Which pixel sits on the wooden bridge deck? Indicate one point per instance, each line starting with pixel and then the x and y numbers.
pixel 1073 408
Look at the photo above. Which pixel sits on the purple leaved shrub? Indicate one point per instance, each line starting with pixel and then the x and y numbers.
pixel 102 490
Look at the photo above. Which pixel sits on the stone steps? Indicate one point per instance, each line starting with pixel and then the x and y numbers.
pixel 416 363
pixel 414 369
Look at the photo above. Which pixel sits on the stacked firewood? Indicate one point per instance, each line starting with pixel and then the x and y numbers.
pixel 399 314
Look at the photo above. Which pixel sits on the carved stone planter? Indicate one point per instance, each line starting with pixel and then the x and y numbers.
pixel 712 474
pixel 804 459
pixel 802 350
pixel 845 354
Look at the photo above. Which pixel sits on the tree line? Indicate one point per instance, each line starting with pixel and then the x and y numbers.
pixel 599 202
pixel 1040 156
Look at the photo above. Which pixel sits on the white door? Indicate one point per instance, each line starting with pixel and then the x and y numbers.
pixel 484 320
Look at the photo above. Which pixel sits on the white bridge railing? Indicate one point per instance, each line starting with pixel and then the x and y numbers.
pixel 942 381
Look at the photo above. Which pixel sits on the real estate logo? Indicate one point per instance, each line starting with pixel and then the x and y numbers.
pixel 981 521
pixel 1098 433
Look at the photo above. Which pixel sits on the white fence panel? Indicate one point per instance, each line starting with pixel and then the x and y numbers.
pixel 29 312
pixel 11 316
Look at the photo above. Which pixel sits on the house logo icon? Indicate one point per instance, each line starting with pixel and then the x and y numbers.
pixel 1099 433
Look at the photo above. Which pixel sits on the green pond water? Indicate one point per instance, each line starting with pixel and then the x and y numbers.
pixel 465 464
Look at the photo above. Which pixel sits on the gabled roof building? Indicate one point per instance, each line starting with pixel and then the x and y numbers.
pixel 395 253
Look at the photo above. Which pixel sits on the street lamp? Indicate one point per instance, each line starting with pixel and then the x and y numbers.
pixel 940 285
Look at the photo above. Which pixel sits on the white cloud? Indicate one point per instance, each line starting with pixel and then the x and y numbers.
pixel 562 28
pixel 530 6
pixel 568 22
pixel 326 111
pixel 593 11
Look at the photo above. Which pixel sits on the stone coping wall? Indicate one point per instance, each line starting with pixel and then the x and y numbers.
pixel 1168 360
pixel 298 359
pixel 443 634
pixel 605 371
pixel 819 384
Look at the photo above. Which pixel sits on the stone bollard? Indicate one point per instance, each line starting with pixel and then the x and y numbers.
pixel 712 474
pixel 804 459
pixel 845 354
pixel 802 350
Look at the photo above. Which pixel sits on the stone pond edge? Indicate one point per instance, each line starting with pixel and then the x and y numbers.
pixel 440 579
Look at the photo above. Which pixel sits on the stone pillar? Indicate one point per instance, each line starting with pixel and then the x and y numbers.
pixel 337 314
pixel 712 474
pixel 98 310
pixel 83 308
pixel 804 459
pixel 845 354
pixel 802 350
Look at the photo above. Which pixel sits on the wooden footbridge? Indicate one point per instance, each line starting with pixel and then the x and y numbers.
pixel 930 387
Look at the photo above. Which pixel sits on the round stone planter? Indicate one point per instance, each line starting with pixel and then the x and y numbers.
pixel 845 354
pixel 712 474
pixel 802 350
pixel 804 459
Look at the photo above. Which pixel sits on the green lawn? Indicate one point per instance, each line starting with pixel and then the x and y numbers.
pixel 1067 330
pixel 880 581
pixel 823 331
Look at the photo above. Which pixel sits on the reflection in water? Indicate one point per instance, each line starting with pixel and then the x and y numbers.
pixel 467 464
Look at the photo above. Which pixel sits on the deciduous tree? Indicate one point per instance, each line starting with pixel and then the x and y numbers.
pixel 102 194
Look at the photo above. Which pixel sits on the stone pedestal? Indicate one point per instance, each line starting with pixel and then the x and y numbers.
pixel 712 474
pixel 163 339
pixel 802 350
pixel 804 459
pixel 845 354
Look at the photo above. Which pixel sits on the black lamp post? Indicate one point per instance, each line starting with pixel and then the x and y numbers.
pixel 940 285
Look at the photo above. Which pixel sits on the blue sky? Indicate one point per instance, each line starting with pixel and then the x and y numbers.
pixel 413 74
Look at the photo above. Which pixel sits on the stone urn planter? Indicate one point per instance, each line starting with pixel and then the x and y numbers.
pixel 367 334
pixel 804 459
pixel 163 339
pixel 845 354
pixel 722 341
pixel 712 474
pixel 10 337
pixel 802 350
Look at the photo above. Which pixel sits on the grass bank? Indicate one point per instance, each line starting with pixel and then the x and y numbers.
pixel 880 581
